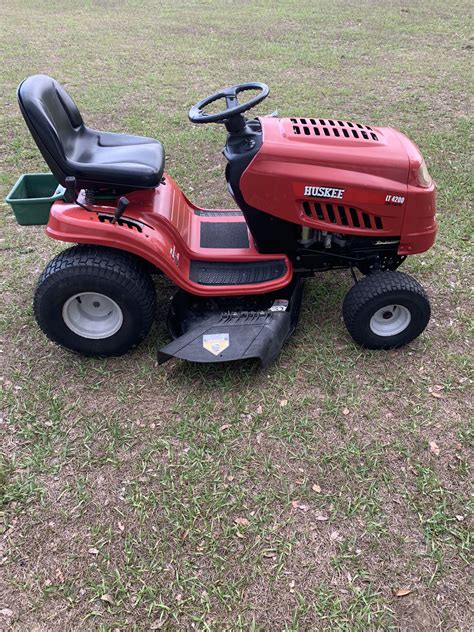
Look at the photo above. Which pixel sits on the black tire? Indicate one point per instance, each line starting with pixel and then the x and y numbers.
pixel 119 276
pixel 365 304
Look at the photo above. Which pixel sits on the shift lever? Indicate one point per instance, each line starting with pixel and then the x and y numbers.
pixel 121 207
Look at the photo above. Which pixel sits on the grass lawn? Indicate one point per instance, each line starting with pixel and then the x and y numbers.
pixel 329 492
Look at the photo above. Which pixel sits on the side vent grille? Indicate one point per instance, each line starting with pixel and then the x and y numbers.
pixel 340 215
pixel 328 127
pixel 129 223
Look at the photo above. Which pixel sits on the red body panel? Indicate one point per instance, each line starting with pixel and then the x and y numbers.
pixel 169 239
pixel 374 168
pixel 333 176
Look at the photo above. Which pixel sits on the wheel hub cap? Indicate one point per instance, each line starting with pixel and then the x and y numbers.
pixel 390 320
pixel 92 315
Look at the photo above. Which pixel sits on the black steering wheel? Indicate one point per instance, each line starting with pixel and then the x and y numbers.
pixel 234 108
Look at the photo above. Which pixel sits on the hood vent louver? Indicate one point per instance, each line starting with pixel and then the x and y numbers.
pixel 340 215
pixel 328 127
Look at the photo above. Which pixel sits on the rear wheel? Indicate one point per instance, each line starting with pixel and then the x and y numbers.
pixel 96 301
pixel 386 310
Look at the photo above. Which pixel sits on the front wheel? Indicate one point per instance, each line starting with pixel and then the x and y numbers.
pixel 96 301
pixel 386 310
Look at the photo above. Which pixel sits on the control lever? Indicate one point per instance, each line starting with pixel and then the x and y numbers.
pixel 120 210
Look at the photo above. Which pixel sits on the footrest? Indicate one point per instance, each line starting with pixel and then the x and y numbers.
pixel 238 273
pixel 224 235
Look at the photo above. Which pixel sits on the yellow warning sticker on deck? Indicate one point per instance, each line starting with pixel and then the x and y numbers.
pixel 215 343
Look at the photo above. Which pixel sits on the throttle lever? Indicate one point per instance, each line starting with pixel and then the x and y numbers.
pixel 121 207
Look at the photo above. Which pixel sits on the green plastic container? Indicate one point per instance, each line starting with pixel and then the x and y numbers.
pixel 32 197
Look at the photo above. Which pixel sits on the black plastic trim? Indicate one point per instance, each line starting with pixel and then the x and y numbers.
pixel 239 273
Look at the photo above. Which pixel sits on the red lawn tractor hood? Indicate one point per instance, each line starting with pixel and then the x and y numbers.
pixel 342 177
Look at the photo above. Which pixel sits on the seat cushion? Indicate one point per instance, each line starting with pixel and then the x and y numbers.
pixel 117 159
pixel 96 159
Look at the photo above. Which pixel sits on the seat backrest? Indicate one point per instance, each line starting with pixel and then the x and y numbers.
pixel 53 120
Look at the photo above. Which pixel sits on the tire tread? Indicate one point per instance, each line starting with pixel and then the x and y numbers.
pixel 371 287
pixel 122 268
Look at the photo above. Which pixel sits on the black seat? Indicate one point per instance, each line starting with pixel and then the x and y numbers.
pixel 96 159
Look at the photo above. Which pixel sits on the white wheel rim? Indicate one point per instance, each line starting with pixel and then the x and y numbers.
pixel 390 320
pixel 92 315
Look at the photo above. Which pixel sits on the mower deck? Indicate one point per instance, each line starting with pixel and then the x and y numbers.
pixel 226 329
pixel 205 252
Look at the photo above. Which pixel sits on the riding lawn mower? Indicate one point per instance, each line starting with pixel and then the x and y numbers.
pixel 312 195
